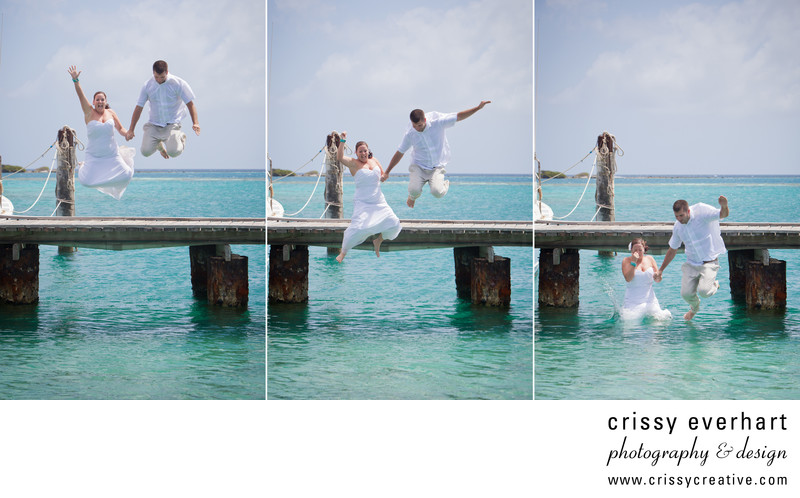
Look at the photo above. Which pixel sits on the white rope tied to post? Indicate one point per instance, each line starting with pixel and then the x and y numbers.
pixel 312 193
pixel 541 181
pixel 584 191
pixel 49 172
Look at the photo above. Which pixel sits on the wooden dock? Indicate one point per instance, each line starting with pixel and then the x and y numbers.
pixel 416 234
pixel 122 233
pixel 216 273
pixel 755 277
pixel 480 275
pixel 615 235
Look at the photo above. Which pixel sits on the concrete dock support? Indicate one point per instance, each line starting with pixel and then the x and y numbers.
pixel 219 276
pixel 19 273
pixel 482 277
pixel 757 280
pixel 559 273
pixel 227 281
pixel 491 282
pixel 766 285
pixel 463 257
pixel 288 273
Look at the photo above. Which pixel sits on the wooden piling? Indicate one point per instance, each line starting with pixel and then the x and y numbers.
pixel 334 173
pixel 19 273
pixel 227 281
pixel 559 273
pixel 463 257
pixel 766 285
pixel 65 177
pixel 604 192
pixel 288 274
pixel 491 281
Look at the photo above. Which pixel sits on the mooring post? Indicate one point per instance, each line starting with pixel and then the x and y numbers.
pixel 334 173
pixel 288 273
pixel 19 273
pixel 606 167
pixel 65 177
pixel 559 272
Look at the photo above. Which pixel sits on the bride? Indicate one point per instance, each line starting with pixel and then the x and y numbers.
pixel 107 167
pixel 639 270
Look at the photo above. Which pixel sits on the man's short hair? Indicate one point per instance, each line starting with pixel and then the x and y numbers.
pixel 159 67
pixel 680 205
pixel 417 115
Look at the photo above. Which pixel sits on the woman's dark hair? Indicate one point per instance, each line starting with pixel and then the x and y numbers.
pixel 639 240
pixel 104 95
pixel 360 143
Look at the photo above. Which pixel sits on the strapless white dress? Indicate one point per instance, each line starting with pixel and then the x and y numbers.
pixel 371 213
pixel 107 166
pixel 640 299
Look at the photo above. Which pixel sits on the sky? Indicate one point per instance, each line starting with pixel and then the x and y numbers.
pixel 217 46
pixel 363 66
pixel 709 87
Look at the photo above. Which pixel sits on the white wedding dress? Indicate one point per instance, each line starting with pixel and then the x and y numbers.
pixel 640 299
pixel 371 213
pixel 107 167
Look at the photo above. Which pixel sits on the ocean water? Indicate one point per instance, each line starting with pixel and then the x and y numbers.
pixel 726 352
pixel 392 327
pixel 124 324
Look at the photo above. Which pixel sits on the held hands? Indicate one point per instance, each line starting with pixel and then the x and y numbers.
pixel 129 135
pixel 657 276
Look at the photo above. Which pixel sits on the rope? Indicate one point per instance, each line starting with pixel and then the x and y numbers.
pixel 584 191
pixel 312 192
pixel 562 172
pixel 30 163
pixel 274 179
pixel 43 186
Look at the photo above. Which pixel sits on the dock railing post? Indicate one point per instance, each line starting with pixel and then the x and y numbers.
pixel 606 167
pixel 65 177
pixel 333 183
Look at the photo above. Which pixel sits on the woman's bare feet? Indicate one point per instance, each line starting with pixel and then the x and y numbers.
pixel 689 315
pixel 340 257
pixel 377 245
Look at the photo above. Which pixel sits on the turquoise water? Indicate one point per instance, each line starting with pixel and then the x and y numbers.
pixel 726 352
pixel 392 327
pixel 124 324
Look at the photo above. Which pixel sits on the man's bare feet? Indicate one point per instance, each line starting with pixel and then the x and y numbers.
pixel 162 150
pixel 340 257
pixel 689 315
pixel 377 245
pixel 410 202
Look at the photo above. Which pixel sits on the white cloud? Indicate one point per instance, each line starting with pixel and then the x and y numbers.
pixel 465 53
pixel 736 59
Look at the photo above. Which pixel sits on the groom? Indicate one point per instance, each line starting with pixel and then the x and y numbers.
pixel 697 228
pixel 167 95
